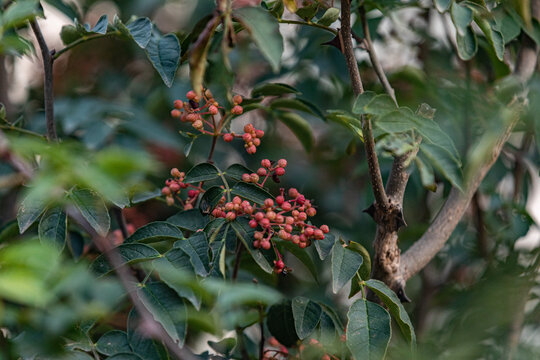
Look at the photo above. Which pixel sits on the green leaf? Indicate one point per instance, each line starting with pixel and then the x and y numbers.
pixel 280 323
pixel 177 280
pixel 390 299
pixel 273 89
pixel 329 17
pixel 368 330
pixel 300 127
pixel 125 356
pixel 396 122
pixel 361 102
pixel 264 31
pixel 467 44
pixel 250 192
pixel 130 253
pixel 245 234
pixel 462 17
pixel 225 346
pixel 113 342
pixel 164 54
pixel 290 5
pixel 494 37
pixel 29 211
pixel 201 172
pixel 426 174
pixel 297 104
pixel 324 246
pixel 235 171
pixel 191 220
pixel 68 9
pixel 139 30
pixel 347 120
pixel 301 255
pixel 307 12
pixel 53 227
pixel 140 343
pixel 365 268
pixel 155 232
pixel 345 263
pixel 167 308
pixel 444 162
pixel 307 315
pixel 18 13
pixel 442 5
pixel 211 198
pixel 196 246
pixel 93 209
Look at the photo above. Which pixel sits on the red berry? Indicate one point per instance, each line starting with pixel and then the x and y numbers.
pixel 254 178
pixel 259 133
pixel 266 163
pixel 175 113
pixel 311 211
pixel 270 215
pixel 280 200
pixel 308 231
pixel 318 234
pixel 192 117
pixel 228 137
pixel 261 172
pixel 280 171
pixel 213 110
pixel 269 203
pixel 174 187
pixel 252 224
pixel 259 216
pixel 301 199
pixel 178 104
pixel 246 178
pixel 191 95
pixel 246 137
pixel 282 163
pixel 192 193
pixel 288 228
pixel 230 216
pixel 286 206
pixel 175 173
pixel 166 191
pixel 237 110
pixel 289 220
pixel 325 229
pixel 256 142
pixel 258 235
pixel 237 99
pixel 279 264
pixel 283 235
pixel 293 193
pixel 252 149
pixel 266 245
pixel 248 128
pixel 265 223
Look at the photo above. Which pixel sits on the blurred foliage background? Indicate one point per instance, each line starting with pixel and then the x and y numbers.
pixel 478 298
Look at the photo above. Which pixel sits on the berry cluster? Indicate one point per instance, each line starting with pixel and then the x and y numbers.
pixel 173 187
pixel 268 168
pixel 210 118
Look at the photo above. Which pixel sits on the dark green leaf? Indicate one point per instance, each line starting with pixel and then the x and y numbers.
pixel 201 172
pixel 93 209
pixel 174 260
pixel 130 253
pixel 462 17
pixel 113 342
pixel 426 174
pixel 167 308
pixel 265 33
pixel 345 263
pixel 306 315
pixel 235 171
pixel 494 37
pixel 329 17
pixel 307 12
pixel 467 44
pixel 140 30
pixel 390 299
pixel 301 255
pixel 325 245
pixel 164 54
pixel 156 231
pixel 211 198
pixel 191 220
pixel 196 246
pixel 347 120
pixel 273 89
pixel 125 356
pixel 300 127
pixel 53 227
pixel 18 13
pixel 443 161
pixel 29 211
pixel 297 104
pixel 224 346
pixel 280 323
pixel 68 9
pixel 365 268
pixel 368 330
pixel 250 192
pixel 245 234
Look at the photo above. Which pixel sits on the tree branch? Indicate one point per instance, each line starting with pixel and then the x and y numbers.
pixel 345 34
pixel 47 81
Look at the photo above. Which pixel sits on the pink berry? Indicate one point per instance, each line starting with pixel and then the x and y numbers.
pixel 282 163
pixel 266 163
pixel 280 200
pixel 175 113
pixel 293 193
pixel 237 110
pixel 252 224
pixel 280 171
pixel 237 99
pixel 228 137
pixel 246 178
pixel 166 191
pixel 213 110
pixel 259 133
pixel 325 229
pixel 191 95
pixel 178 104
pixel 261 172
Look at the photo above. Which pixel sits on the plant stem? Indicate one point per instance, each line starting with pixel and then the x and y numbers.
pixel 80 41
pixel 48 81
pixel 21 130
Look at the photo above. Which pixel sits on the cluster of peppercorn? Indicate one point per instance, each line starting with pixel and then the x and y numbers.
pixel 208 119
pixel 268 168
pixel 173 187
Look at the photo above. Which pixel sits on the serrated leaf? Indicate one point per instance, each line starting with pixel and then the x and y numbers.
pixel 324 246
pixel 191 220
pixel 113 342
pixel 53 227
pixel 280 323
pixel 164 54
pixel 29 211
pixel 300 127
pixel 93 209
pixel 156 231
pixel 273 89
pixel 301 255
pixel 245 234
pixel 201 172
pixel 264 31
pixel 329 17
pixel 167 308
pixel 101 25
pixel 250 192
pixel 368 330
pixel 196 247
pixel 390 299
pixel 345 263
pixel 307 315
pixel 130 253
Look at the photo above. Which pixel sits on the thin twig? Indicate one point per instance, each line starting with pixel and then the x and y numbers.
pixel 356 82
pixel 21 130
pixel 80 41
pixel 48 81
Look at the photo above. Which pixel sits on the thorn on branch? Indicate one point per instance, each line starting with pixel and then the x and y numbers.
pixel 402 296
